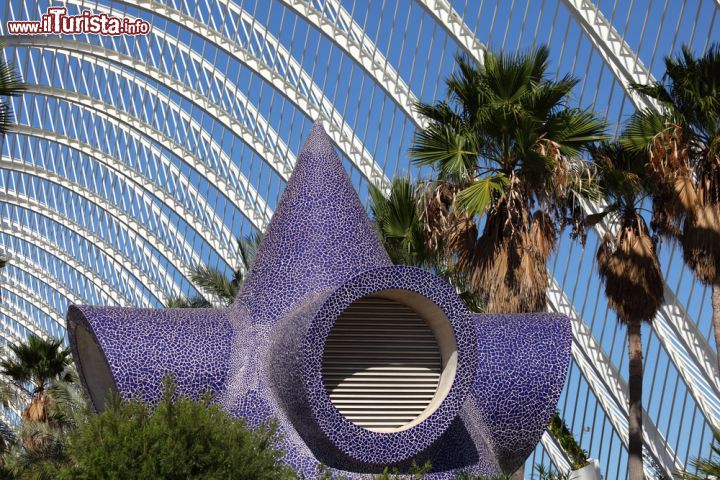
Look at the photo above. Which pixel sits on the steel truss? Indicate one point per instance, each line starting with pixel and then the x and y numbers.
pixel 21 232
pixel 304 93
pixel 30 267
pixel 677 332
pixel 134 228
pixel 118 257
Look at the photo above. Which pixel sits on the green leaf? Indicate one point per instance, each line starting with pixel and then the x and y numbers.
pixel 641 130
pixel 446 149
pixel 476 198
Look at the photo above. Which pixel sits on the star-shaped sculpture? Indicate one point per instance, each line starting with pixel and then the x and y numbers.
pixel 362 363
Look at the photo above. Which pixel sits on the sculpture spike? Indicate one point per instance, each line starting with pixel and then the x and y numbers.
pixel 320 234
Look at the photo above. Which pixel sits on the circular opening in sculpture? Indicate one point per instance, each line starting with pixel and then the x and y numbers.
pixel 390 360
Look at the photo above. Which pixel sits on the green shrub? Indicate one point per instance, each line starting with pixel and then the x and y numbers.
pixel 178 439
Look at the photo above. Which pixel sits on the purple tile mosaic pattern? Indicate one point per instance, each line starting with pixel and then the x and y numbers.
pixel 262 357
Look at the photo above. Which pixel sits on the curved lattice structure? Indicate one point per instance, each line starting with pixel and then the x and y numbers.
pixel 138 157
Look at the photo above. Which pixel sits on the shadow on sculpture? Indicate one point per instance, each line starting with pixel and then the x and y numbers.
pixel 467 392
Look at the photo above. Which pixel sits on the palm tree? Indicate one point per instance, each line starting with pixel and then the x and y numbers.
pixel 707 467
pixel 506 146
pixel 214 282
pixel 629 267
pixel 398 219
pixel 34 366
pixel 682 145
pixel 10 86
pixel 48 451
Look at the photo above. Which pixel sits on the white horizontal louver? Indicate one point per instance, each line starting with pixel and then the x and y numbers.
pixel 381 364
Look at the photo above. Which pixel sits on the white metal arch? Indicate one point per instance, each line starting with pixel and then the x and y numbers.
pixel 453 24
pixel 8 334
pixel 256 212
pixel 132 177
pixel 608 386
pixel 21 289
pixel 38 302
pixel 29 266
pixel 106 110
pixel 351 38
pixel 366 54
pixel 15 229
pixel 118 257
pixel 22 320
pixel 262 129
pixel 98 55
pixel 134 228
pixel 617 54
pixel 314 104
pixel 556 452
pixel 687 347
pixel 141 131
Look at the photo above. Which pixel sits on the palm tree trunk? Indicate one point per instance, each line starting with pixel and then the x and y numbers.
pixel 635 441
pixel 716 315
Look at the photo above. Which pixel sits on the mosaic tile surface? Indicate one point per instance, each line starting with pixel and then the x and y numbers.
pixel 262 357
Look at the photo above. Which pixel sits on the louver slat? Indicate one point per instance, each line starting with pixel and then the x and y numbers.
pixel 381 364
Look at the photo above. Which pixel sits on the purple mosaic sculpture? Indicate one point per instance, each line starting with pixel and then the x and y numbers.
pixel 262 357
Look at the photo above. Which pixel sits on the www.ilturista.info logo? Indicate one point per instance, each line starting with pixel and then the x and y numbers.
pixel 57 21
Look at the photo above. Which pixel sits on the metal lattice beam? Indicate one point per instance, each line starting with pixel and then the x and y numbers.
pixel 135 228
pixel 609 387
pixel 693 357
pixel 19 261
pixel 107 59
pixel 556 452
pixel 304 93
pixel 27 235
pixel 254 209
pixel 453 24
pixel 118 257
pixel 140 183
pixel 350 37
pixel 38 302
pixel 120 118
pixel 25 322
pixel 625 64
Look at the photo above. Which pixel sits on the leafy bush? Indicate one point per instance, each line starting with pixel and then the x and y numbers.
pixel 578 456
pixel 177 439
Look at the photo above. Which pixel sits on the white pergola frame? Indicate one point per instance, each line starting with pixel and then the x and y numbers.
pixel 133 227
pixel 15 229
pixel 692 357
pixel 695 364
pixel 93 54
pixel 314 104
pixel 118 257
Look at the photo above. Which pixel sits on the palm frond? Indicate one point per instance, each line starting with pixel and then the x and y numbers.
pixel 248 247
pixel 37 360
pixel 642 129
pixel 478 197
pixel 215 282
pixel 10 86
pixel 453 152
pixel 10 83
pixel 574 130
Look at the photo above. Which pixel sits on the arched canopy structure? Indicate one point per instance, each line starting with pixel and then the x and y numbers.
pixel 252 74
